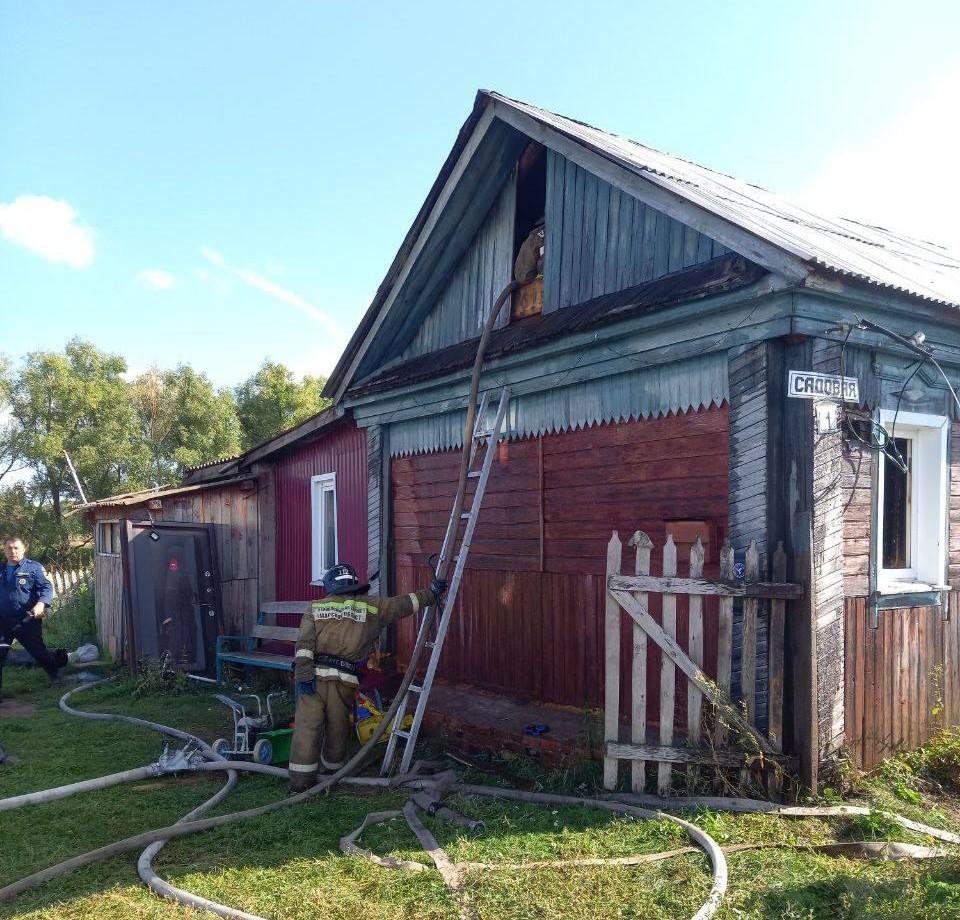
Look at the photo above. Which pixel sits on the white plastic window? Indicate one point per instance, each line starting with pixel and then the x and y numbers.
pixel 323 498
pixel 912 504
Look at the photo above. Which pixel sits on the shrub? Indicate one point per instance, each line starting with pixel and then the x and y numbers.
pixel 162 678
pixel 74 621
pixel 939 759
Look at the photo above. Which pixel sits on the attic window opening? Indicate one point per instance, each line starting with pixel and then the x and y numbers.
pixel 531 200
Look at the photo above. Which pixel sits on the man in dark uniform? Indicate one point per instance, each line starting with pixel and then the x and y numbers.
pixel 25 595
pixel 335 635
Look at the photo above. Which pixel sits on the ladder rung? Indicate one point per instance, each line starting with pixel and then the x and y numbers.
pixel 429 644
pixel 401 733
pixel 415 688
pixel 474 474
pixel 465 515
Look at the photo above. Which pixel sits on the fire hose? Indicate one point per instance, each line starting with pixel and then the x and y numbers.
pixel 191 823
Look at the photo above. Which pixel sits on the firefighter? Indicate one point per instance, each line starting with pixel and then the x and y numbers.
pixel 335 635
pixel 25 595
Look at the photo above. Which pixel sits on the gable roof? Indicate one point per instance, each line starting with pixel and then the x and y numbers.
pixel 718 276
pixel 779 235
pixel 848 247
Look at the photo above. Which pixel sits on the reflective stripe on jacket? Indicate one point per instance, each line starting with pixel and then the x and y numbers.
pixel 348 626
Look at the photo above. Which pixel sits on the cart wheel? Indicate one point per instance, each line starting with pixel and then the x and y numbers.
pixel 263 751
pixel 222 747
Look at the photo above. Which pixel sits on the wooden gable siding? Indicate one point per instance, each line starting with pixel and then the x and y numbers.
pixel 483 271
pixel 530 614
pixel 600 239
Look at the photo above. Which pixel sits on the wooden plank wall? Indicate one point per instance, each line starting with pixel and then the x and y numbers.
pixel 898 676
pixel 534 582
pixel 828 545
pixel 483 271
pixel 599 239
pixel 108 593
pixel 234 516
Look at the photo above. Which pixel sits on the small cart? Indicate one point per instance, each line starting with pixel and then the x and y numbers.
pixel 255 737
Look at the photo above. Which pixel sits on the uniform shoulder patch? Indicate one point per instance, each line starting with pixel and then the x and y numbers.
pixel 345 608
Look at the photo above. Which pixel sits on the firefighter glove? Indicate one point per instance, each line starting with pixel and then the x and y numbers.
pixel 439 587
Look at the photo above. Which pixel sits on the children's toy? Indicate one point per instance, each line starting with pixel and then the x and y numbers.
pixel 255 737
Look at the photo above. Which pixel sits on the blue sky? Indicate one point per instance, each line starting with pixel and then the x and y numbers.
pixel 220 182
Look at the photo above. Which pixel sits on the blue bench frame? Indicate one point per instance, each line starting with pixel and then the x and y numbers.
pixel 246 654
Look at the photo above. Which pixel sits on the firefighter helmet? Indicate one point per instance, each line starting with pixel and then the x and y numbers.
pixel 342 579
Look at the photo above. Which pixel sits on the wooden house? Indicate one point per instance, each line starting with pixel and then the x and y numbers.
pixel 648 373
pixel 265 524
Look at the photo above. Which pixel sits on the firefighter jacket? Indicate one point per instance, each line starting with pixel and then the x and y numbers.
pixel 21 587
pixel 339 632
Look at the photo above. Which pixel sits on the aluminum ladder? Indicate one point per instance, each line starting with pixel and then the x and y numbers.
pixel 481 434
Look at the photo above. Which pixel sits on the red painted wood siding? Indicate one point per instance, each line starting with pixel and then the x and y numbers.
pixel 530 616
pixel 342 451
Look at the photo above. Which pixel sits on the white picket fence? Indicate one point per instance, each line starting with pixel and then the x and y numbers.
pixel 66 581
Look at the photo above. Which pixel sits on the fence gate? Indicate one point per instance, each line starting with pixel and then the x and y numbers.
pixel 728 739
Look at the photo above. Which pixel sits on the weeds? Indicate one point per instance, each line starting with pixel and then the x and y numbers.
pixel 73 623
pixel 162 678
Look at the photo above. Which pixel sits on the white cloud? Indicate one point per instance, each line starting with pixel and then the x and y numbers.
pixel 903 176
pixel 213 257
pixel 270 288
pixel 157 279
pixel 47 227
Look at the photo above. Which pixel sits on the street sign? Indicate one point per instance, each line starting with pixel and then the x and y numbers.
pixel 811 385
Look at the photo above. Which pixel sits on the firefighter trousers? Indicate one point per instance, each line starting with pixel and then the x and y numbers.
pixel 321 732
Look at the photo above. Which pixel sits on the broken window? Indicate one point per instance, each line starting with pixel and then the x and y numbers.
pixel 529 236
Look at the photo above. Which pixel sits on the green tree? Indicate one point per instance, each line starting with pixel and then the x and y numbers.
pixel 272 400
pixel 73 402
pixel 181 421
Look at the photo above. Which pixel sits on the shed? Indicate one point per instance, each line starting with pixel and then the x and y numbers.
pixel 648 373
pixel 276 516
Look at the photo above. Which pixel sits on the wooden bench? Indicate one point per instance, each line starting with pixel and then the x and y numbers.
pixel 246 651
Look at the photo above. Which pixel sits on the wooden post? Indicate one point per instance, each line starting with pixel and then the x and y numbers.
pixel 266 533
pixel 775 657
pixel 724 636
pixel 611 700
pixel 695 643
pixel 668 670
pixel 748 648
pixel 638 674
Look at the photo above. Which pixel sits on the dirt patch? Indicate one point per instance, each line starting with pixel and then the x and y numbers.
pixel 15 709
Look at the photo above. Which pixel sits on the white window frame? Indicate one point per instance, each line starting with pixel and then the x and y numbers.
pixel 98 539
pixel 319 485
pixel 929 435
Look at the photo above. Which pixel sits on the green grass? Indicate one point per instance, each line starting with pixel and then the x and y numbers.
pixel 288 865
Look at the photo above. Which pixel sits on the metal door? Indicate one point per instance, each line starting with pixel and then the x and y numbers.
pixel 174 602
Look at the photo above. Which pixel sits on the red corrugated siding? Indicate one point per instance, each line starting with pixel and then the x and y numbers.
pixel 533 627
pixel 344 452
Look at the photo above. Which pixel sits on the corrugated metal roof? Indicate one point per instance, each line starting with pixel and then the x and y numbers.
pixel 127 499
pixel 870 254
